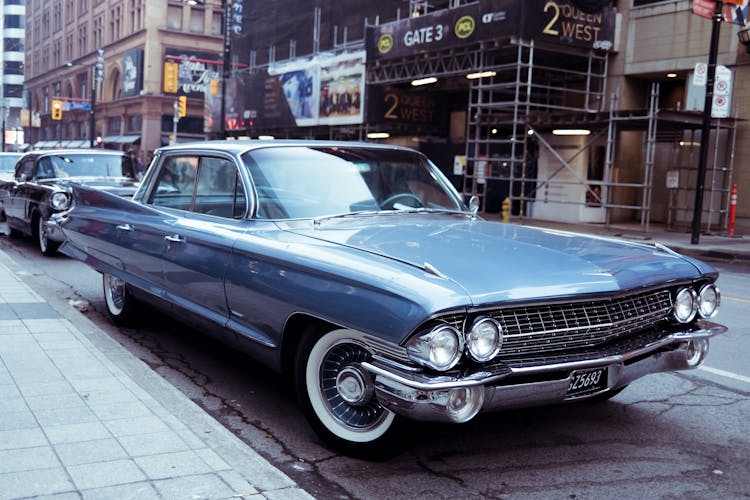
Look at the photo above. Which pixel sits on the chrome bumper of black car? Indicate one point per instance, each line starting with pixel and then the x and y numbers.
pixel 458 399
pixel 52 228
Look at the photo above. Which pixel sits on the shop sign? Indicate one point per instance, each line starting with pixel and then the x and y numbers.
pixel 195 71
pixel 483 20
pixel 561 21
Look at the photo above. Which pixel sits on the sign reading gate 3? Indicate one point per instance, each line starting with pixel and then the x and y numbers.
pixel 558 21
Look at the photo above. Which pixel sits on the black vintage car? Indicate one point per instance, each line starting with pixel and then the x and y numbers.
pixel 41 187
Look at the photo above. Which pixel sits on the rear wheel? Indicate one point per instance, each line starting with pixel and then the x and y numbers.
pixel 338 395
pixel 122 307
pixel 46 246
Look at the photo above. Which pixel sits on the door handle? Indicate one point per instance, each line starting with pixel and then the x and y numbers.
pixel 125 227
pixel 175 239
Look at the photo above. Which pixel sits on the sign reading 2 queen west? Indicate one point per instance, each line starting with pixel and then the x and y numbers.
pixel 558 21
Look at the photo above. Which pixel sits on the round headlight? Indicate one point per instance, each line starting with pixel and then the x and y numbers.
pixel 484 339
pixel 60 200
pixel 685 305
pixel 440 348
pixel 709 300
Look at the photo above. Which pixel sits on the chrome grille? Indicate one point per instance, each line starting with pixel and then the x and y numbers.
pixel 557 328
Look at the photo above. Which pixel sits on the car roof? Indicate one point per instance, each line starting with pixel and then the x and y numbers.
pixel 41 152
pixel 243 145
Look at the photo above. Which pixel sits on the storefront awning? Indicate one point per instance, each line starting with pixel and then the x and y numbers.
pixel 121 139
pixel 78 144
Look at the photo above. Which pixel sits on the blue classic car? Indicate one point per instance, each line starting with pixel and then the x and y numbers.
pixel 358 270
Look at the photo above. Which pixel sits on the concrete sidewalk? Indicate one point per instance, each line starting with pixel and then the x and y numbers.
pixel 80 417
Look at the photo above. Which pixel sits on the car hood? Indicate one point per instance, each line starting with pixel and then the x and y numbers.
pixel 496 262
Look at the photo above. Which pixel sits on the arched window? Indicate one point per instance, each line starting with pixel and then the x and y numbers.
pixel 115 78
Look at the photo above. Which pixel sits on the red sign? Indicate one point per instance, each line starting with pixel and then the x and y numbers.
pixel 704 8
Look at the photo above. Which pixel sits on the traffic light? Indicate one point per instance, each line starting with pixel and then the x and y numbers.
pixel 181 106
pixel 56 110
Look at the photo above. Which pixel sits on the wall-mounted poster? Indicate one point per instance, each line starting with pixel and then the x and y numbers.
pixel 132 73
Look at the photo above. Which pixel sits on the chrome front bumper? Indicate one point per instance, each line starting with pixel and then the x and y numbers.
pixel 52 228
pixel 458 399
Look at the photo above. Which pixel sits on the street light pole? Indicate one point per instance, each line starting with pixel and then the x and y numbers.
pixel 92 111
pixel 226 61
pixel 706 125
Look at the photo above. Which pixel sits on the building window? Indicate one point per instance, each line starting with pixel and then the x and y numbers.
pixel 83 6
pixel 13 44
pixel 135 14
pixel 114 24
pixel 197 20
pixel 114 126
pixel 174 17
pixel 134 124
pixel 83 81
pixel 13 22
pixel 13 68
pixel 83 41
pixel 217 23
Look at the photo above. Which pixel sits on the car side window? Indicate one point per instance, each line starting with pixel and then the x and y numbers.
pixel 176 183
pixel 25 171
pixel 219 189
pixel 45 169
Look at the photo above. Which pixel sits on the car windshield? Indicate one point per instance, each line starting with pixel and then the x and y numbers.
pixel 307 182
pixel 83 165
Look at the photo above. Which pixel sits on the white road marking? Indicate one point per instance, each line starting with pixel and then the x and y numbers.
pixel 724 373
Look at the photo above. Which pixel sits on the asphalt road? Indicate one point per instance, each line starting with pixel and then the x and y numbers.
pixel 667 436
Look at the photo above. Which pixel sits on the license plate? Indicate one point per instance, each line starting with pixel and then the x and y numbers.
pixel 587 381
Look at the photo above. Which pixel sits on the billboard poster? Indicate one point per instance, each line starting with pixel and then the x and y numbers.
pixel 342 90
pixel 323 90
pixel 132 73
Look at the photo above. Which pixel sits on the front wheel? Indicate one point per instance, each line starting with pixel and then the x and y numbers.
pixel 122 307
pixel 46 246
pixel 338 397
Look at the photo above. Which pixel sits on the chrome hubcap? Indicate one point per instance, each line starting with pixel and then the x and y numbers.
pixel 352 386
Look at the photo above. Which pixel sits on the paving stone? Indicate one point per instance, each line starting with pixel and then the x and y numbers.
pixel 12 420
pixel 168 465
pixel 45 388
pixel 22 438
pixel 72 433
pixel 115 411
pixel 142 490
pixel 153 444
pixel 54 401
pixel 102 474
pixel 34 483
pixel 131 426
pixel 41 457
pixel 65 416
pixel 206 486
pixel 85 452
